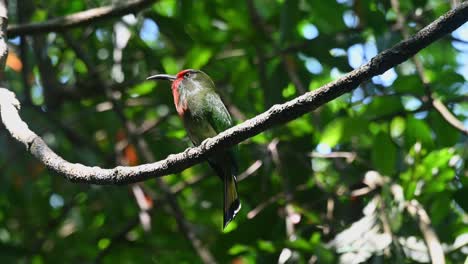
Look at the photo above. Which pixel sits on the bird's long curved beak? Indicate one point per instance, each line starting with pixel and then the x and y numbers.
pixel 162 77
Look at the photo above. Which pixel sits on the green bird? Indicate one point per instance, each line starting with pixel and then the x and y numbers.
pixel 204 115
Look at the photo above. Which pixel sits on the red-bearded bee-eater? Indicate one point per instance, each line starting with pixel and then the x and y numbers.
pixel 204 115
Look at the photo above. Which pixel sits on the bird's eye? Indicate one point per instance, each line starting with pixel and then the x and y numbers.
pixel 187 75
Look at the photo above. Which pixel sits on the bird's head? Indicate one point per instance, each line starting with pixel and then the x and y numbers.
pixel 183 83
pixel 187 79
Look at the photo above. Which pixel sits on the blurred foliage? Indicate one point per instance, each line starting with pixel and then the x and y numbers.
pixel 259 53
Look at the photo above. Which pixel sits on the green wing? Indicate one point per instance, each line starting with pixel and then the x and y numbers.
pixel 220 119
pixel 224 163
pixel 217 114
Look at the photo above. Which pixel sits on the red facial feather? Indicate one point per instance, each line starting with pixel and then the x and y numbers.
pixel 175 93
pixel 182 108
pixel 181 73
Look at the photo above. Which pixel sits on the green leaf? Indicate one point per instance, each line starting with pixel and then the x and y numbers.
pixel 142 88
pixel 198 57
pixel 384 154
pixel 417 131
pixel 382 106
pixel 289 91
pixel 448 84
pixel 333 132
pixel 170 65
pixel 438 159
pixel 440 208
pixel 80 67
pixel 397 127
pixel 409 189
pixel 39 15
pixel 445 134
pixel 266 246
pixel 300 126
pixel 301 244
pixel 165 7
pixel 261 138
pixel 342 130
pixel 238 249
pixel 103 243
pixel 230 228
pixel 327 15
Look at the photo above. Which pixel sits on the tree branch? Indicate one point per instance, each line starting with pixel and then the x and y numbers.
pixel 78 19
pixel 277 114
pixel 435 103
pixel 448 116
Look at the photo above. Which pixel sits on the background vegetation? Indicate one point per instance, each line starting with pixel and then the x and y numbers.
pixel 372 176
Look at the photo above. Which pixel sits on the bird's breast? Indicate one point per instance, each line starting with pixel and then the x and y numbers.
pixel 198 128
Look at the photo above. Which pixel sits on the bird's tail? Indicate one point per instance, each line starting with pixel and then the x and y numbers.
pixel 231 199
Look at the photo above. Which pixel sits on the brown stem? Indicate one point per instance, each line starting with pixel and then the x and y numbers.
pixel 79 19
pixel 430 237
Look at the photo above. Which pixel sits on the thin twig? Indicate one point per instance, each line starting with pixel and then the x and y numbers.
pixel 348 156
pixel 430 237
pixel 448 116
pixel 87 17
pixel 291 217
pixel 250 170
pixel 260 207
pixel 177 188
pixel 289 66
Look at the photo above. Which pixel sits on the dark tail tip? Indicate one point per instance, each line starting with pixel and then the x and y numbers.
pixel 229 214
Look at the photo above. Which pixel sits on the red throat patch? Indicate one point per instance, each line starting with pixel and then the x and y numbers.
pixel 176 94
pixel 181 108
